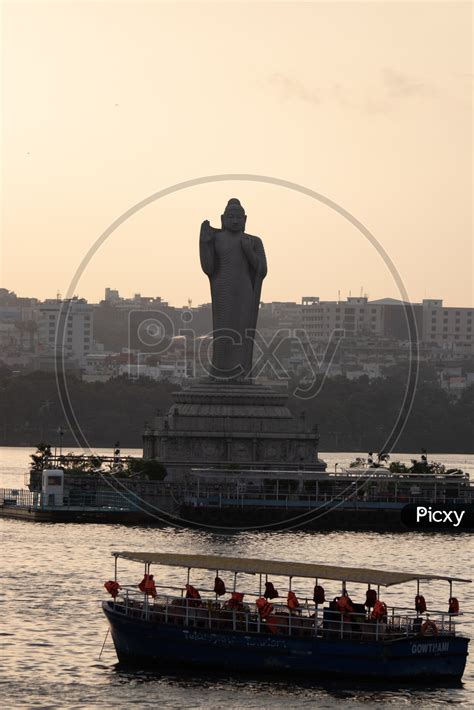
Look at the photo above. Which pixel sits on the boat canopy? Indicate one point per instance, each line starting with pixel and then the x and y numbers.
pixel 362 575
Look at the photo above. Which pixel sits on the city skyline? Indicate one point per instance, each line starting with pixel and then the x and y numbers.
pixel 341 297
pixel 103 106
pixel 126 322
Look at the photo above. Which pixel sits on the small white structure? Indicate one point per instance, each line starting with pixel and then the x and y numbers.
pixel 53 486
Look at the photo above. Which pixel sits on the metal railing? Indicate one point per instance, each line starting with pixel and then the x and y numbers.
pixel 289 500
pixel 308 620
pixel 20 498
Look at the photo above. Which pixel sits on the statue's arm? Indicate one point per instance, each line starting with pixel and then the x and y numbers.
pixel 255 253
pixel 261 258
pixel 207 250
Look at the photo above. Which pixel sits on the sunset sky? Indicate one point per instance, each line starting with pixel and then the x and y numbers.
pixel 369 104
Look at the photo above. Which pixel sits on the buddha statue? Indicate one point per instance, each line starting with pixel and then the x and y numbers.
pixel 236 265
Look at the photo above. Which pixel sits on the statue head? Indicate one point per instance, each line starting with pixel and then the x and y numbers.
pixel 234 217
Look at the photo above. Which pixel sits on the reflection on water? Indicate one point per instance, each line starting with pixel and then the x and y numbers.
pixel 53 628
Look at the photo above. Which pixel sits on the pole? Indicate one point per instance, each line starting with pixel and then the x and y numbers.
pixel 144 591
pixel 106 635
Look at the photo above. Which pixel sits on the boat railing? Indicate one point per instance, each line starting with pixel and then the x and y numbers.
pixel 219 498
pixel 71 500
pixel 306 621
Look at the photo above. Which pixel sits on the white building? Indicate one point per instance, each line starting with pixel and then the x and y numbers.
pixel 66 326
pixel 447 326
pixel 355 316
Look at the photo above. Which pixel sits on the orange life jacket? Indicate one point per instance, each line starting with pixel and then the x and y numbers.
pixel 420 604
pixel 344 605
pixel 112 588
pixel 192 592
pixel 292 602
pixel 147 585
pixel 379 612
pixel 453 606
pixel 264 607
pixel 235 601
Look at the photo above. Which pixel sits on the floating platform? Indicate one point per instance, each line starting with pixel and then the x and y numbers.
pixel 75 515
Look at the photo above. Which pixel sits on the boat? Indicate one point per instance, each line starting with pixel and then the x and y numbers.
pixel 358 497
pixel 212 627
pixel 367 495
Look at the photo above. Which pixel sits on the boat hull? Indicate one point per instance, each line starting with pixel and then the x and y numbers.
pixel 141 642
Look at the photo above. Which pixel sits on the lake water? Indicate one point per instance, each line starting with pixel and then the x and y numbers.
pixel 53 628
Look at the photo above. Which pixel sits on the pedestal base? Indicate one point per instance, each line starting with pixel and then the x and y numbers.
pixel 215 424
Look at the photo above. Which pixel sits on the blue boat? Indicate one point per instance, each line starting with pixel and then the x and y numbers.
pixel 159 625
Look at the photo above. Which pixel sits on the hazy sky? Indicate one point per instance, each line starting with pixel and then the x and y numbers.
pixel 370 104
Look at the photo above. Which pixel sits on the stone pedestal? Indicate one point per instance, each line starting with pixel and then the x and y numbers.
pixel 214 424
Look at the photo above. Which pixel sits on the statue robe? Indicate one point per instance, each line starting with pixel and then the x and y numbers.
pixel 236 284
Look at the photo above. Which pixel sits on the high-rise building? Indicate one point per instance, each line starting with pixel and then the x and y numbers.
pixel 429 321
pixel 355 316
pixel 447 325
pixel 66 326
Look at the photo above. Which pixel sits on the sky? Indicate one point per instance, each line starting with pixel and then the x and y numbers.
pixel 368 104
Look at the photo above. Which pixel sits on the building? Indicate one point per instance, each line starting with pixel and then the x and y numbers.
pixel 430 322
pixel 447 326
pixel 112 295
pixel 401 320
pixel 285 315
pixel 66 327
pixel 355 316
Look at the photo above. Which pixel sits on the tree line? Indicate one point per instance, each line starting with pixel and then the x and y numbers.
pixel 352 415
